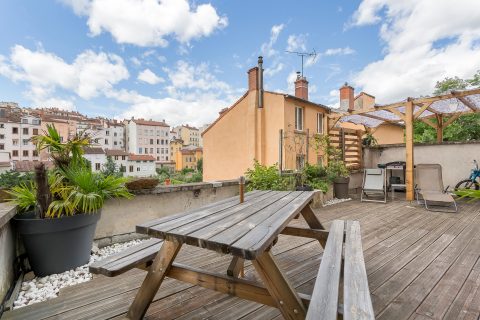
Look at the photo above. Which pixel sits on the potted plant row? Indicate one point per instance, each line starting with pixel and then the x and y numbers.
pixel 58 211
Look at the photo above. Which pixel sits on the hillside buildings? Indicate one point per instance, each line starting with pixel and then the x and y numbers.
pixel 190 135
pixel 148 137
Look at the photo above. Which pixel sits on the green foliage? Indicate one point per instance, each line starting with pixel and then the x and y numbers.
pixel 262 177
pixel 369 140
pixel 316 176
pixel 63 153
pixel 186 170
pixel 473 195
pixel 336 169
pixel 24 196
pixel 79 190
pixel 466 127
pixel 110 168
pixel 10 179
pixel 200 165
pixel 163 171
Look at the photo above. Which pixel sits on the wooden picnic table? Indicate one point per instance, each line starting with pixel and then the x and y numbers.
pixel 243 230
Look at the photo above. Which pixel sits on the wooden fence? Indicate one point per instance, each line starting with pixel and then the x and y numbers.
pixel 350 142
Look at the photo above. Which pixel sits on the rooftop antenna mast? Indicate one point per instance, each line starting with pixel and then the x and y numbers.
pixel 302 55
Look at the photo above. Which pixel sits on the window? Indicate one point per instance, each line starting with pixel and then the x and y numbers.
pixel 158 141
pixel 115 143
pixel 300 161
pixel 14 130
pixel 97 166
pixel 25 130
pixel 116 157
pixel 15 142
pixel 25 153
pixel 138 168
pixel 14 153
pixel 24 120
pixel 158 150
pixel 166 158
pixel 139 150
pixel 146 150
pixel 162 141
pixel 2 146
pixel 2 136
pixel 25 142
pixel 107 133
pixel 319 122
pixel 123 157
pixel 130 169
pixel 123 169
pixel 2 125
pixel 106 141
pixel 151 141
pixel 36 121
pixel 35 153
pixel 151 150
pixel 299 118
pixel 35 132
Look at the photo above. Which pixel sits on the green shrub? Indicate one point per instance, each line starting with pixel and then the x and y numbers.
pixel 10 179
pixel 315 176
pixel 261 177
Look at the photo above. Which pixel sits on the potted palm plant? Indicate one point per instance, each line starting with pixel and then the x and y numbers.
pixel 59 210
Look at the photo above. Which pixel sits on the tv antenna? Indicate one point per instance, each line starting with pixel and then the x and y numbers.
pixel 302 55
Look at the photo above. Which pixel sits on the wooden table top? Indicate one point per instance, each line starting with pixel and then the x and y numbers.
pixel 242 229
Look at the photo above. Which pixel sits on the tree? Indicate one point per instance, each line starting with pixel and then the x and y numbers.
pixel 200 165
pixel 110 168
pixel 466 127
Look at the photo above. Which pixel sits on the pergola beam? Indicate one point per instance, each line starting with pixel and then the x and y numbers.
pixel 468 104
pixel 431 124
pixel 397 113
pixel 379 118
pixel 422 109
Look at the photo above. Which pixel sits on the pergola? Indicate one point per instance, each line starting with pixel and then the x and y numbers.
pixel 444 108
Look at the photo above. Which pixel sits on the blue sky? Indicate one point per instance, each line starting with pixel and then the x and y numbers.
pixel 183 60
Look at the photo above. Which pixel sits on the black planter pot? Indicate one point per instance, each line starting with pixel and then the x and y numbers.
pixel 340 187
pixel 59 244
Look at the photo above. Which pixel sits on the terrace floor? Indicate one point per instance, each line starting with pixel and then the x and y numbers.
pixel 420 265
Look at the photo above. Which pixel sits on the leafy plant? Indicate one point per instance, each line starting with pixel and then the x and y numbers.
pixel 473 195
pixel 262 177
pixel 336 169
pixel 200 165
pixel 110 168
pixel 369 140
pixel 24 196
pixel 316 176
pixel 10 179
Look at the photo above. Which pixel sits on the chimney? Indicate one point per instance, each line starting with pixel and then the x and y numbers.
pixel 260 82
pixel 301 87
pixel 252 79
pixel 255 80
pixel 346 98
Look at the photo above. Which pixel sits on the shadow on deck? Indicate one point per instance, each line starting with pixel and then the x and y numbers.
pixel 420 265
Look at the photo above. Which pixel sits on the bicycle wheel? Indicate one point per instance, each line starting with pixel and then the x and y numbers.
pixel 467 184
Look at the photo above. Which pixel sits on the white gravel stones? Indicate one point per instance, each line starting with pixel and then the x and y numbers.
pixel 45 288
pixel 335 201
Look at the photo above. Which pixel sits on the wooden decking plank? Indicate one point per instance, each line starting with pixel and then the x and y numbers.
pixel 446 248
pixel 463 301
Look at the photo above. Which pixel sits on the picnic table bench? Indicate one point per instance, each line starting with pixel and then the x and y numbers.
pixel 246 231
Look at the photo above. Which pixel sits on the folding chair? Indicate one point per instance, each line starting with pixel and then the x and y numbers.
pixel 374 184
pixel 430 191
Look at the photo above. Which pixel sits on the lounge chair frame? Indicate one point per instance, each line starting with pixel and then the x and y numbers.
pixel 366 193
pixel 433 205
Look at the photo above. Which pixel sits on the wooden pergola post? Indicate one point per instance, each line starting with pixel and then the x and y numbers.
pixel 409 108
pixel 439 128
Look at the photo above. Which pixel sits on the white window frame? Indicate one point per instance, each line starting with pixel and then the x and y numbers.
pixel 299 118
pixel 320 122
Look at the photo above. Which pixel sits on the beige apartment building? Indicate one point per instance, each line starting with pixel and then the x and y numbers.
pixel 270 127
pixel 148 137
pixel 190 135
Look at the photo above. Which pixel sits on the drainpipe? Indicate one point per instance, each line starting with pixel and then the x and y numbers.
pixel 260 82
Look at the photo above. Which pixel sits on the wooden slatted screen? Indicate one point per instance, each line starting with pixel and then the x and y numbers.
pixel 350 142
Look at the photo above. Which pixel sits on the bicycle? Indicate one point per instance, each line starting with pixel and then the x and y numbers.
pixel 471 182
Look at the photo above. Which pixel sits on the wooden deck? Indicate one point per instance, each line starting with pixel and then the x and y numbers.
pixel 420 265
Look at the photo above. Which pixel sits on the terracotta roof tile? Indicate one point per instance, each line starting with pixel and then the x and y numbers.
pixel 141 157
pixel 116 153
pixel 150 123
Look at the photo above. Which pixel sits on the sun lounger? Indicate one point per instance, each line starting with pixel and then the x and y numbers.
pixel 430 191
pixel 374 184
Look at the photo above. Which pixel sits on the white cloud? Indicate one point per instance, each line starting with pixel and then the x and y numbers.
pixel 292 76
pixel 195 96
pixel 274 69
pixel 149 77
pixel 148 22
pixel 88 75
pixel 267 48
pixel 339 51
pixel 297 42
pixel 425 41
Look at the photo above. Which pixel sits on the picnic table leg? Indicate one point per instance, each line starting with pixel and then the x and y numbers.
pixel 313 221
pixel 279 288
pixel 236 267
pixel 154 278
